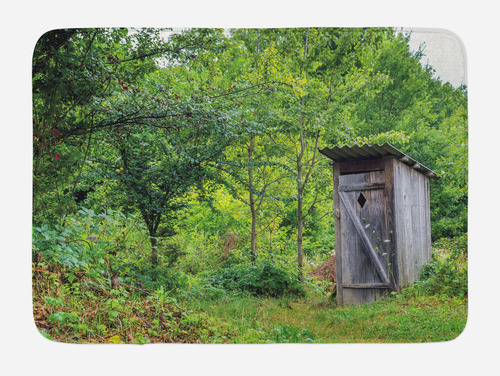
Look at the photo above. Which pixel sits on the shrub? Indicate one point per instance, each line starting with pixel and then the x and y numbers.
pixel 156 278
pixel 444 277
pixel 86 240
pixel 263 279
pixel 457 247
pixel 202 251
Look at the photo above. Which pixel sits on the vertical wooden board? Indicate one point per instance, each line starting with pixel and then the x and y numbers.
pixel 390 217
pixel 409 223
pixel 422 226
pixel 423 255
pixel 427 209
pixel 420 223
pixel 399 230
pixel 338 232
pixel 402 224
pixel 411 195
pixel 376 216
pixel 415 185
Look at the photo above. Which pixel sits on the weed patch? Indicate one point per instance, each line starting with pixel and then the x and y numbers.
pixel 261 280
pixel 82 313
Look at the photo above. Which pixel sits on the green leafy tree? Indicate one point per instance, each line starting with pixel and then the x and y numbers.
pixel 99 90
pixel 86 81
pixel 313 108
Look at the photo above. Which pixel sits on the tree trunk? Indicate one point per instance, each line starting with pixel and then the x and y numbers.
pixel 154 250
pixel 300 201
pixel 152 223
pixel 253 211
pixel 253 231
pixel 300 185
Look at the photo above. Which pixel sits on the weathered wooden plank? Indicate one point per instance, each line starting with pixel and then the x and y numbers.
pixel 361 187
pixel 428 253
pixel 414 184
pixel 389 220
pixel 405 225
pixel 423 253
pixel 378 229
pixel 367 286
pixel 368 247
pixel 361 166
pixel 338 232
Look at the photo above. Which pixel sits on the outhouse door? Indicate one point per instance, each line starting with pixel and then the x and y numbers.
pixel 366 244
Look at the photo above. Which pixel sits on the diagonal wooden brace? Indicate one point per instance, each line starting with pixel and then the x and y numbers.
pixel 369 250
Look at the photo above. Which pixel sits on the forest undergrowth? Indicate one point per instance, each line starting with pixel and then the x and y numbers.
pixel 69 306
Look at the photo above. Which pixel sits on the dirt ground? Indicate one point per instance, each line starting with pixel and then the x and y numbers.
pixel 327 272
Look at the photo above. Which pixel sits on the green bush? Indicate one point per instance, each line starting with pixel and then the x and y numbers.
pixel 203 251
pixel 457 246
pixel 264 279
pixel 149 278
pixel 86 238
pixel 446 277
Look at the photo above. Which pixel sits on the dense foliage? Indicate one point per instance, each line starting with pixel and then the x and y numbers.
pixel 184 166
pixel 264 279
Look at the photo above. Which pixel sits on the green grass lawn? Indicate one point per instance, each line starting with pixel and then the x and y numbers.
pixel 396 319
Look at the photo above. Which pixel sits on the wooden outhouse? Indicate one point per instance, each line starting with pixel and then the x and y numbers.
pixel 382 220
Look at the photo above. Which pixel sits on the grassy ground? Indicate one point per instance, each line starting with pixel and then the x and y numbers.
pixel 430 311
pixel 69 307
pixel 116 316
pixel 397 319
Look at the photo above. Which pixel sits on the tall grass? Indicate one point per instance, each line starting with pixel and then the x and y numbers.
pixel 399 319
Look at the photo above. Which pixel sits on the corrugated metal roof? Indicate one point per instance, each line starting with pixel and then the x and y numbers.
pixel 355 152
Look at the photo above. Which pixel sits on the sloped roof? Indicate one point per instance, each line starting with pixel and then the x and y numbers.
pixel 355 152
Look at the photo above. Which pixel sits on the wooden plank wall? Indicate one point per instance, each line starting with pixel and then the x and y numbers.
pixel 411 222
